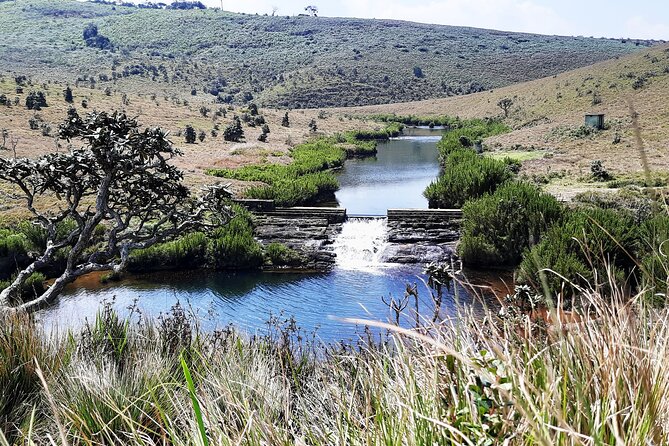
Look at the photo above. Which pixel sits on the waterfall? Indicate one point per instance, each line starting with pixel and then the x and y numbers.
pixel 361 243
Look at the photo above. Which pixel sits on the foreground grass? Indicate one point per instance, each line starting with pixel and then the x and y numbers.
pixel 482 381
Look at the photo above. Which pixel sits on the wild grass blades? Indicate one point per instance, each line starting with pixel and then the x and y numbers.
pixel 469 379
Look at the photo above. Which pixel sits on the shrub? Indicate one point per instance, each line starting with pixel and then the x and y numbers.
pixel 189 134
pixel 67 94
pixel 313 127
pixel 35 100
pixel 465 176
pixel 234 131
pixel 653 254
pixel 499 227
pixel 281 255
pixel 233 245
pixel 599 172
pixel 466 133
pixel 285 122
pixel 189 251
pixel 580 248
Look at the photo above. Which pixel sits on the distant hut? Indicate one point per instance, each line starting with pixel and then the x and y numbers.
pixel 596 121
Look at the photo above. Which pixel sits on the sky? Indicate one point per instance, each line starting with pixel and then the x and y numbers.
pixel 643 19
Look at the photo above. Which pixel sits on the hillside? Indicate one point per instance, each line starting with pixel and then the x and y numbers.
pixel 547 117
pixel 277 61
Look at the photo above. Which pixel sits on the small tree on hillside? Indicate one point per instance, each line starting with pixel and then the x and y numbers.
pixel 312 9
pixel 35 100
pixel 190 135
pixel 505 104
pixel 234 131
pixel 313 126
pixel 67 93
pixel 285 122
pixel 117 194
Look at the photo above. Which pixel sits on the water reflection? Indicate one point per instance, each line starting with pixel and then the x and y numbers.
pixel 395 178
pixel 248 300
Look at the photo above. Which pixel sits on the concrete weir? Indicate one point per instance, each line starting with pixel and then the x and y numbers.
pixel 413 235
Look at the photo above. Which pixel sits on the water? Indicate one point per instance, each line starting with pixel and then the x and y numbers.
pixel 395 178
pixel 317 301
pixel 361 243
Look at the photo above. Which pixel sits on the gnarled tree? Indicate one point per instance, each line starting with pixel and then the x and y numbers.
pixel 117 194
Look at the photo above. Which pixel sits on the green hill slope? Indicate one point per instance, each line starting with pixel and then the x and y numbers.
pixel 278 61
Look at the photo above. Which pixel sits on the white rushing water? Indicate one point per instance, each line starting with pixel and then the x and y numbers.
pixel 361 243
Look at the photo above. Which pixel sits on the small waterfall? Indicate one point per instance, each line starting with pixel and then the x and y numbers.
pixel 361 243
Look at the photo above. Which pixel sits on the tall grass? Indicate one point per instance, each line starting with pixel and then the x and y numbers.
pixel 473 380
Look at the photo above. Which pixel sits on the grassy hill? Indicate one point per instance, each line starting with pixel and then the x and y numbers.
pixel 548 114
pixel 278 61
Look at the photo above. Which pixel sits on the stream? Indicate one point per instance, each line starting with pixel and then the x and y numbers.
pixel 395 178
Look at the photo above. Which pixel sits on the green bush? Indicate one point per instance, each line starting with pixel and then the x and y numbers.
pixel 471 131
pixel 301 182
pixel 13 244
pixel 466 175
pixel 580 248
pixel 281 255
pixel 187 252
pixel 654 257
pixel 498 227
pixel 233 245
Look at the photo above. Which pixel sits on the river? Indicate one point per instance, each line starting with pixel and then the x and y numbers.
pixel 356 288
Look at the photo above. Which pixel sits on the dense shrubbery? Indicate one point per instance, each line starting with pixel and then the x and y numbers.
pixel 231 246
pixel 580 248
pixel 498 227
pixel 301 182
pixel 281 255
pixel 392 130
pixel 468 134
pixel 653 254
pixel 465 176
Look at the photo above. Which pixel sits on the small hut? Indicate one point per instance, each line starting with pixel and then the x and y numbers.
pixel 596 121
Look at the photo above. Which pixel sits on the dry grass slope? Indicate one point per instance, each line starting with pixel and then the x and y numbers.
pixel 547 113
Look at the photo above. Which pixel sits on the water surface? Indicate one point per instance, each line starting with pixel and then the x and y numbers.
pixel 395 178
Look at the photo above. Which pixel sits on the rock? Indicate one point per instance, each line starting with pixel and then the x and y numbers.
pixel 421 252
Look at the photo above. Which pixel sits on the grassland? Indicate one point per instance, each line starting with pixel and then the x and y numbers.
pixel 279 61
pixel 547 116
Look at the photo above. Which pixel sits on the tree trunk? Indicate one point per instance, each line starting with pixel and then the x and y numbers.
pixel 49 295
pixel 15 287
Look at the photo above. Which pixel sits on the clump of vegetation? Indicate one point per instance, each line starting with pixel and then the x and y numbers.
pixel 588 248
pixel 189 134
pixel 285 122
pixel 466 175
pixel 599 172
pixel 304 181
pixel 36 100
pixel 469 133
pixel 281 255
pixel 94 39
pixel 500 226
pixel 234 131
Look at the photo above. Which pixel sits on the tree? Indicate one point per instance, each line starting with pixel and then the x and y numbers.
pixel 35 100
pixel 234 131
pixel 285 122
pixel 253 109
pixel 313 126
pixel 312 9
pixel 117 194
pixel 190 135
pixel 67 93
pixel 505 104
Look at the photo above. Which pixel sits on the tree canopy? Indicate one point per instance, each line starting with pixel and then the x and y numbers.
pixel 116 194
